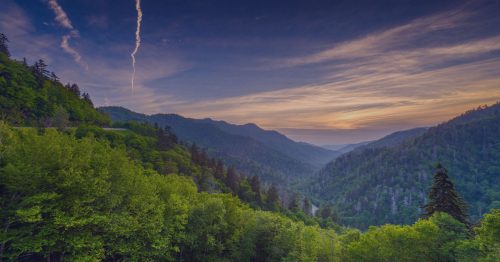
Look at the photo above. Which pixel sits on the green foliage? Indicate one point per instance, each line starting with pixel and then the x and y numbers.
pixel 31 97
pixel 374 186
pixel 444 198
pixel 72 198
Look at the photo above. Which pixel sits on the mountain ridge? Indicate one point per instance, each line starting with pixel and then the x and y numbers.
pixel 267 153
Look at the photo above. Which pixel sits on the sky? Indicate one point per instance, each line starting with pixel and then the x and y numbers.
pixel 323 72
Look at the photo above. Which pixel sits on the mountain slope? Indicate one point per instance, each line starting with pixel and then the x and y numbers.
pixel 375 185
pixel 249 148
pixel 396 138
pixel 30 96
pixel 344 148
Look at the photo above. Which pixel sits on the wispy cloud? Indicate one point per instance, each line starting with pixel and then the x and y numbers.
pixel 17 25
pixel 64 21
pixel 61 16
pixel 383 81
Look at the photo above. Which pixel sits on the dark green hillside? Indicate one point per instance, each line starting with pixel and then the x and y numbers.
pixel 30 95
pixel 373 186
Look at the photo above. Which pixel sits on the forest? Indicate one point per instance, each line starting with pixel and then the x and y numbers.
pixel 378 184
pixel 76 187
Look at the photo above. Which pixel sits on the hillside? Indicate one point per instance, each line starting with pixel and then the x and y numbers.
pixel 271 155
pixel 344 148
pixel 395 138
pixel 30 95
pixel 376 185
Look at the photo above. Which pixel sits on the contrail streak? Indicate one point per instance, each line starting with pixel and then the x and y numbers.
pixel 137 37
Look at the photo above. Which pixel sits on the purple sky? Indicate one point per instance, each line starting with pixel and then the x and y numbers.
pixel 324 72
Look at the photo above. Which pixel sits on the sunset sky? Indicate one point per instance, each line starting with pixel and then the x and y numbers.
pixel 324 72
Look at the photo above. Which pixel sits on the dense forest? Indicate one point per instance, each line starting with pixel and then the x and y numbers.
pixel 75 187
pixel 386 182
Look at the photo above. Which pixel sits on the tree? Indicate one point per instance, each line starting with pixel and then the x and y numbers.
pixel 195 155
pixel 444 198
pixel 40 69
pixel 294 205
pixel 219 170
pixel 255 184
pixel 232 180
pixel 307 207
pixel 54 77
pixel 273 198
pixel 60 118
pixel 74 88
pixel 86 98
pixel 4 48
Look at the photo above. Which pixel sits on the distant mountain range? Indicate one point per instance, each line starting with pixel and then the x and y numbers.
pixel 249 148
pixel 389 140
pixel 344 148
pixel 386 181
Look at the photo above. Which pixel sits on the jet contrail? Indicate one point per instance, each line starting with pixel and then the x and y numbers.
pixel 137 37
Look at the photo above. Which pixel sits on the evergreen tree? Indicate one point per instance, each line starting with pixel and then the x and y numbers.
pixel 86 98
pixel 54 77
pixel 219 170
pixel 232 180
pixel 40 69
pixel 74 88
pixel 195 153
pixel 255 183
pixel 294 205
pixel 4 48
pixel 444 198
pixel 307 206
pixel 273 198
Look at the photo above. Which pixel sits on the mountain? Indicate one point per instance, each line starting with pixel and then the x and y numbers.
pixel 252 150
pixel 395 138
pixel 389 140
pixel 387 181
pixel 344 148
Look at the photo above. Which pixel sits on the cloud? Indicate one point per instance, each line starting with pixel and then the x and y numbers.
pixel 61 16
pixel 64 21
pixel 16 24
pixel 383 81
pixel 375 43
pixel 68 49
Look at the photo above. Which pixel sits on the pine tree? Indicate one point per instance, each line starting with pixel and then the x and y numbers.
pixel 54 77
pixel 232 180
pixel 4 48
pixel 86 98
pixel 255 184
pixel 307 206
pixel 40 69
pixel 273 198
pixel 219 170
pixel 294 204
pixel 444 198
pixel 195 155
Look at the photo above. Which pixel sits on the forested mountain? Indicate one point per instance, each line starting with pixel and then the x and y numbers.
pixel 249 148
pixel 395 138
pixel 344 148
pixel 387 183
pixel 33 96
